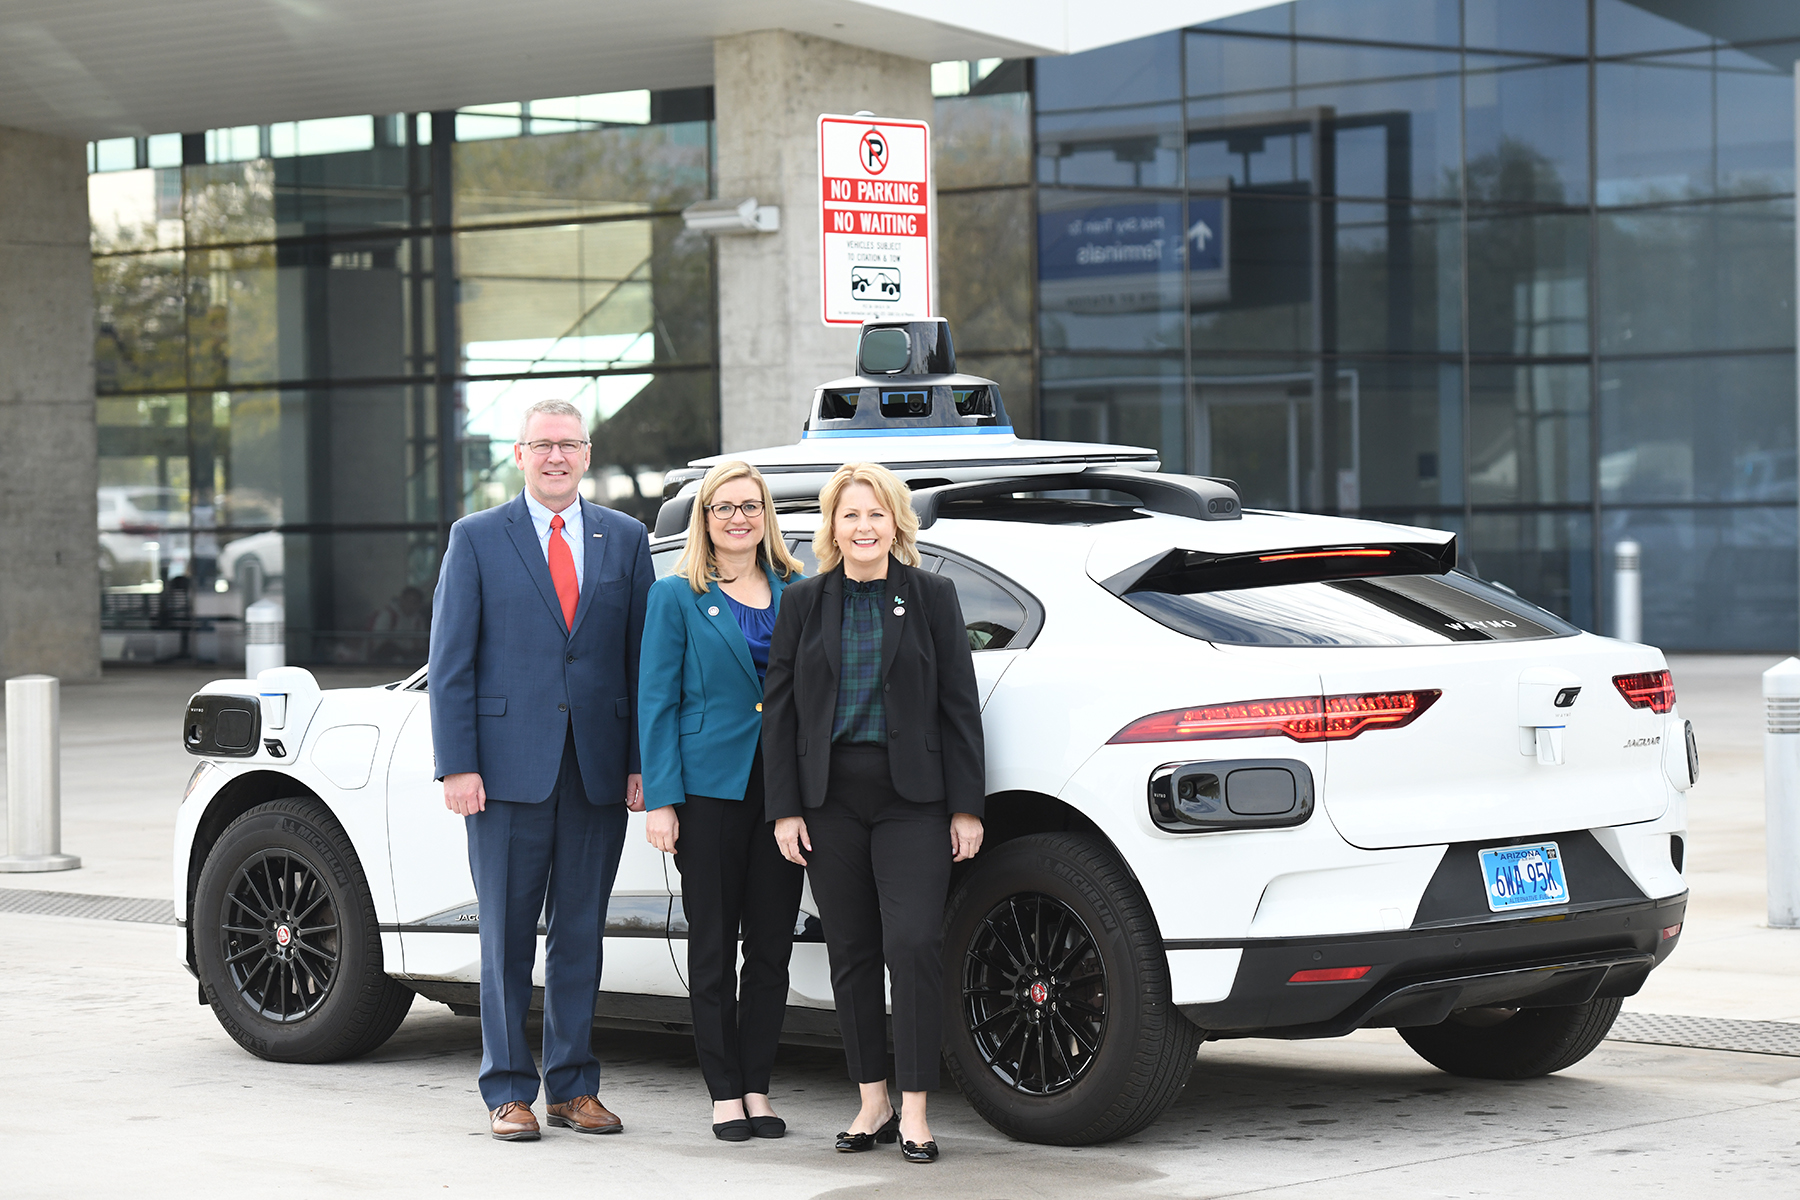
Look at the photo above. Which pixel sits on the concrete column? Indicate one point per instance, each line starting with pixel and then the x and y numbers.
pixel 769 88
pixel 49 556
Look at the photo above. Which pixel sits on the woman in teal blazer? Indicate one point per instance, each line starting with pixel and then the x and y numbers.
pixel 700 690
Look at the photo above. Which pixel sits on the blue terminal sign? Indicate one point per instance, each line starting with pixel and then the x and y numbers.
pixel 1128 256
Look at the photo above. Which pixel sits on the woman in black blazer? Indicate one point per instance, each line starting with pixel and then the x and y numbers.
pixel 874 768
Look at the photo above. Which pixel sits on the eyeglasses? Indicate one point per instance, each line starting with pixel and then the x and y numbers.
pixel 569 449
pixel 750 508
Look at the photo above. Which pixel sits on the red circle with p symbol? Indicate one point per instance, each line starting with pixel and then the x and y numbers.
pixel 873 152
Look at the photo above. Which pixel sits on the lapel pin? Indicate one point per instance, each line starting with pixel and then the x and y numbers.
pixel 713 611
pixel 599 535
pixel 899 612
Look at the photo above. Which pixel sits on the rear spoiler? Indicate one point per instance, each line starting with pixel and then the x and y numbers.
pixel 1184 572
pixel 1191 496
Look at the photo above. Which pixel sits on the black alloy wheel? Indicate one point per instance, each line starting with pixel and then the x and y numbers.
pixel 1034 994
pixel 285 938
pixel 1059 1025
pixel 281 936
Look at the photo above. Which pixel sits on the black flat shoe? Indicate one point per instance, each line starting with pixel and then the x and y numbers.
pixel 856 1143
pixel 739 1130
pixel 914 1152
pixel 767 1127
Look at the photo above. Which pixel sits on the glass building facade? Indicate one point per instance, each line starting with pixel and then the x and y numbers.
pixel 1523 269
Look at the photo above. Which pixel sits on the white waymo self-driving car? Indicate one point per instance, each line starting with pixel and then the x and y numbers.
pixel 1250 774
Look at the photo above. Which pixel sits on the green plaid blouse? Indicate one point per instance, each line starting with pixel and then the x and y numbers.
pixel 861 717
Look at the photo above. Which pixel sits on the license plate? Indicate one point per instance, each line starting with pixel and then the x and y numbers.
pixel 1524 877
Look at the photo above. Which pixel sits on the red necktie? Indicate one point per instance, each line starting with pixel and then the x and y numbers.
pixel 562 571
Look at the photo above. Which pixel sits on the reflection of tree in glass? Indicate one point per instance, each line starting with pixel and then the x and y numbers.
pixel 623 169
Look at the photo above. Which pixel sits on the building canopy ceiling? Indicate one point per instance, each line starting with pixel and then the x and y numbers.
pixel 107 68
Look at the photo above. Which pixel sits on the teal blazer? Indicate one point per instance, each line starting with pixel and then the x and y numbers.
pixel 699 697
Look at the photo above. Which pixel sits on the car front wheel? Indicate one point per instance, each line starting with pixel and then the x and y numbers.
pixel 1524 1043
pixel 286 941
pixel 1059 1025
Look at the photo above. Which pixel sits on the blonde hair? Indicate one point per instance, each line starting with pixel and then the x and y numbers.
pixel 890 493
pixel 697 561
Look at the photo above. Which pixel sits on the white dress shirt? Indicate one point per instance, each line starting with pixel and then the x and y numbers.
pixel 571 531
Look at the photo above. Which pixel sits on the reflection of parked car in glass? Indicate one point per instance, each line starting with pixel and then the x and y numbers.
pixel 143 534
pixel 251 561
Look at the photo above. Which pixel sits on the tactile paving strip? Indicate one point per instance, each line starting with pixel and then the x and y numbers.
pixel 94 908
pixel 1708 1033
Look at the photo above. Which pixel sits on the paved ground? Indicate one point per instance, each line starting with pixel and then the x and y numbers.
pixel 101 1029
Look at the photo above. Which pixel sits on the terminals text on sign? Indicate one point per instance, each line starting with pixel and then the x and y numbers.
pixel 875 207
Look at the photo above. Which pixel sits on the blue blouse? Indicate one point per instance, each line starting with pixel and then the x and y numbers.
pixel 758 625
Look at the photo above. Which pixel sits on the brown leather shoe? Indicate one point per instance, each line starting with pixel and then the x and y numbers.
pixel 585 1114
pixel 513 1122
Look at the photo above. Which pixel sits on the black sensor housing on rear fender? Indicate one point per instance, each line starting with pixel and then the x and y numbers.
pixel 220 725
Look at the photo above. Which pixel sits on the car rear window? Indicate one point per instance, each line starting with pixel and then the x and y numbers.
pixel 1394 610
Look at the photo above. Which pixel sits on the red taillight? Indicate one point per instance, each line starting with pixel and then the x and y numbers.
pixel 1329 975
pixel 1324 554
pixel 1670 932
pixel 1302 718
pixel 1654 690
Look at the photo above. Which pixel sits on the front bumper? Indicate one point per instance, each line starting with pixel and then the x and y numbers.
pixel 1420 976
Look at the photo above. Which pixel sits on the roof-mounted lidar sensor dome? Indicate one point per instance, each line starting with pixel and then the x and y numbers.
pixel 905 380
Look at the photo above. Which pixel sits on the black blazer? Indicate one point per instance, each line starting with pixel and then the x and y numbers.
pixel 935 748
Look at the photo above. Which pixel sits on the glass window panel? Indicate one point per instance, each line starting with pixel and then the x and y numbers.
pixel 982 140
pixel 1399 137
pixel 1318 63
pixel 1252 422
pixel 1528 434
pixel 143 495
pixel 1270 151
pixel 1399 273
pixel 1528 283
pixel 992 614
pixel 1018 390
pixel 342 310
pixel 1128 147
pixel 1434 22
pixel 1624 27
pixel 234 316
pixel 1713 580
pixel 1276 18
pixel 1698 429
pixel 357 597
pixel 134 210
pixel 1400 435
pixel 1541 26
pixel 1545 557
pixel 1755 123
pixel 1121 401
pixel 1527 133
pixel 138 322
pixel 984 263
pixel 1219 64
pixel 1655 123
pixel 1128 73
pixel 1708 277
pixel 1109 271
pixel 229 202
pixel 115 154
pixel 164 150
pixel 1263 299
pixel 332 193
pixel 597 172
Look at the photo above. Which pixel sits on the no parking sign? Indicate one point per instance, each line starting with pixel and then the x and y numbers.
pixel 875 201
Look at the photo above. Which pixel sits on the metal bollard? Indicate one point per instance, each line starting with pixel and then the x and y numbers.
pixel 265 637
pixel 34 776
pixel 1628 593
pixel 1781 791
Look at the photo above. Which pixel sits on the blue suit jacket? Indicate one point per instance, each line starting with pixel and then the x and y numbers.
pixel 699 696
pixel 508 677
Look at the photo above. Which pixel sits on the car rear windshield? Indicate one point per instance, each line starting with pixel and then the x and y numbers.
pixel 1394 610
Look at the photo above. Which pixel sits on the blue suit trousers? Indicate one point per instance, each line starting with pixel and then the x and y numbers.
pixel 559 858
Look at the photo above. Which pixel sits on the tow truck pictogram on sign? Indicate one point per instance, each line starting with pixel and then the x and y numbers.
pixel 875 283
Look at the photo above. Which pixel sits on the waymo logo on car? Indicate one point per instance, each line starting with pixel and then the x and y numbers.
pixel 1481 625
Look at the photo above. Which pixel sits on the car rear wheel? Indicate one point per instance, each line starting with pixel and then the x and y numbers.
pixel 286 941
pixel 1524 1043
pixel 1059 1024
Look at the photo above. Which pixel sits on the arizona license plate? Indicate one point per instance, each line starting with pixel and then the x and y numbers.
pixel 1524 876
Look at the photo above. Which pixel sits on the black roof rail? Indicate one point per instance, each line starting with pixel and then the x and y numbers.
pixel 1192 496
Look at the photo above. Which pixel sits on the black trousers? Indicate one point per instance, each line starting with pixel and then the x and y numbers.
pixel 733 879
pixel 880 869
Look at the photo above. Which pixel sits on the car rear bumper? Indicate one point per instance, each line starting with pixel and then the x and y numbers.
pixel 1420 976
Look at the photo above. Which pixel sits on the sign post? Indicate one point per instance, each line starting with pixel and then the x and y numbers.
pixel 876 203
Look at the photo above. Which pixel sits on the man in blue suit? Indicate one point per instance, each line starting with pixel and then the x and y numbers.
pixel 535 632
